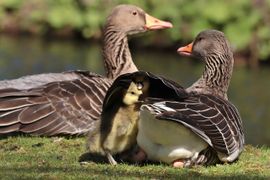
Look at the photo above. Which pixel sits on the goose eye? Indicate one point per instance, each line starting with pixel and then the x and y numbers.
pixel 200 38
pixel 134 13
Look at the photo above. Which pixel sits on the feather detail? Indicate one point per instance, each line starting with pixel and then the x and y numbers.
pixel 68 107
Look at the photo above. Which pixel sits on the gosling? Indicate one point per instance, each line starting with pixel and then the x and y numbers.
pixel 118 127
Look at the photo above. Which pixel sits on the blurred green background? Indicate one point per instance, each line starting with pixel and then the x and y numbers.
pixel 245 22
pixel 40 36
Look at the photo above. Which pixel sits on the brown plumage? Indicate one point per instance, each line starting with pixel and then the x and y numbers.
pixel 71 102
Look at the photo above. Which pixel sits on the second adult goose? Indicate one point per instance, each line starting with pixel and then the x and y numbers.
pixel 203 128
pixel 42 105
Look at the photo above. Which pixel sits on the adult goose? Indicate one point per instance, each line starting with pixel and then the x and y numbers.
pixel 204 127
pixel 193 126
pixel 70 102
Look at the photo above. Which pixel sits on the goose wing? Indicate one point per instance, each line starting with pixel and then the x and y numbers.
pixel 160 87
pixel 214 119
pixel 156 87
pixel 65 107
pixel 33 81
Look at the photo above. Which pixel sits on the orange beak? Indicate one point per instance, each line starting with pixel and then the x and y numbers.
pixel 153 23
pixel 185 50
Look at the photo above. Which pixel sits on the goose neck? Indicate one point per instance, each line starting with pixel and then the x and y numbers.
pixel 216 76
pixel 116 53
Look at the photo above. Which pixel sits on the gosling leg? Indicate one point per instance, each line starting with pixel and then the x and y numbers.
pixel 111 159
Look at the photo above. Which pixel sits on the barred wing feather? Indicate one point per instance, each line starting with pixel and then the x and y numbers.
pixel 215 120
pixel 65 107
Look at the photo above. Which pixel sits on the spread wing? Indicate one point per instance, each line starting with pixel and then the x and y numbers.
pixel 65 107
pixel 159 87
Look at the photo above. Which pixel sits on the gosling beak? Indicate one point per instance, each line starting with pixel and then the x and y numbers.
pixel 186 50
pixel 153 23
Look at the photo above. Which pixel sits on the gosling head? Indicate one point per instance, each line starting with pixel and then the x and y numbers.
pixel 133 93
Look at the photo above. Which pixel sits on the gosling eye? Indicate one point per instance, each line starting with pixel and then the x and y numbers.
pixel 133 93
pixel 134 13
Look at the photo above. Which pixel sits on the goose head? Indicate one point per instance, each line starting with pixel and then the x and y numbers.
pixel 132 19
pixel 208 43
pixel 214 49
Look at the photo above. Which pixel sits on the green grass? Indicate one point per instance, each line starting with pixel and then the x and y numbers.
pixel 51 158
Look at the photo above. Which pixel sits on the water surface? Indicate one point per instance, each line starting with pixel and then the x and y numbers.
pixel 249 90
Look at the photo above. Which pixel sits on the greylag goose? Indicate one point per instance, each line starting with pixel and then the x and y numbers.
pixel 193 126
pixel 204 127
pixel 72 104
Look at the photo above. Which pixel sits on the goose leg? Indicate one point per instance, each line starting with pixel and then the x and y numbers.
pixel 183 163
pixel 179 163
pixel 111 159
